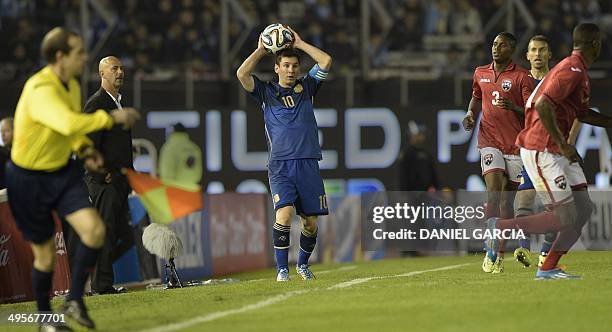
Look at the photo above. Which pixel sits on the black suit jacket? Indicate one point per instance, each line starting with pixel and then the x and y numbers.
pixel 5 156
pixel 114 144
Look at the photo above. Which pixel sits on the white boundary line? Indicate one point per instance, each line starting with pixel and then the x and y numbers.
pixel 343 268
pixel 220 314
pixel 282 297
pixel 408 274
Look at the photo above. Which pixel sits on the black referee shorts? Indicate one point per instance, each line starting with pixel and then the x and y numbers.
pixel 32 195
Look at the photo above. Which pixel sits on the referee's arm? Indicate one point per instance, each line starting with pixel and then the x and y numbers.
pixel 91 107
pixel 49 110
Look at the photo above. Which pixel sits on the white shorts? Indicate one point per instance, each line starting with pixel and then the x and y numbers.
pixel 553 176
pixel 492 159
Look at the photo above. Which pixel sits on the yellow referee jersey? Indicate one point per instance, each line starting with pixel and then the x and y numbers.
pixel 49 124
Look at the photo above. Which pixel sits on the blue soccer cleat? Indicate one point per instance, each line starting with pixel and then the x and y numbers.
pixel 283 275
pixel 557 273
pixel 491 244
pixel 304 272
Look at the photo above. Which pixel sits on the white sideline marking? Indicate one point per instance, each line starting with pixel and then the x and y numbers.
pixel 408 274
pixel 220 314
pixel 281 297
pixel 344 268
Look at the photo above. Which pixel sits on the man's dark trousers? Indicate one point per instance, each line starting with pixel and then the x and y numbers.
pixel 109 196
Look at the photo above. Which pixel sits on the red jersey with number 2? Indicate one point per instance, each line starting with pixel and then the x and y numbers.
pixel 499 127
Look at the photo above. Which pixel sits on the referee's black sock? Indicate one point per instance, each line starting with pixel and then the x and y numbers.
pixel 84 262
pixel 41 284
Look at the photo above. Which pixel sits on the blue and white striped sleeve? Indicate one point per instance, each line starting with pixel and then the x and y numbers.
pixel 317 73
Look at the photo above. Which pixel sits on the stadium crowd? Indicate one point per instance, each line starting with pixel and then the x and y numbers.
pixel 186 34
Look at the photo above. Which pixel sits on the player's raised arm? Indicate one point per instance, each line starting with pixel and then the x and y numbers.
pixel 323 59
pixel 246 68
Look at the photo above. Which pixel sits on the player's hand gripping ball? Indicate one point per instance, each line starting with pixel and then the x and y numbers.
pixel 276 37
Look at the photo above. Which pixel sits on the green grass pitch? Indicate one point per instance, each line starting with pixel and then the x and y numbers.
pixel 412 294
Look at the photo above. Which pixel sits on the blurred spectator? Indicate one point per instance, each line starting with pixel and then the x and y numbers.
pixel 453 57
pixel 584 10
pixel 480 55
pixel 12 8
pixel 437 17
pixel 545 9
pixel 315 35
pixel 465 19
pixel 343 51
pixel 406 34
pixel 187 33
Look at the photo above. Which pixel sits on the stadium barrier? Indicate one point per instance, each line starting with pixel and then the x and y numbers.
pixel 230 235
pixel 16 260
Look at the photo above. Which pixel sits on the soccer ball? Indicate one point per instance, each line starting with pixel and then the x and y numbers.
pixel 276 37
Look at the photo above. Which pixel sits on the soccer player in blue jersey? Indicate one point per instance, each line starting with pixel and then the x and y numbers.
pixel 292 133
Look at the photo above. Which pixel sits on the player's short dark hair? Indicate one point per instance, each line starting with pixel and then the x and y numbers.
pixel 541 38
pixel 585 33
pixel 56 40
pixel 510 37
pixel 287 53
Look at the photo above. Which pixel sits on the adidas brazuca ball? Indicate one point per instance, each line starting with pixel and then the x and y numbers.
pixel 276 37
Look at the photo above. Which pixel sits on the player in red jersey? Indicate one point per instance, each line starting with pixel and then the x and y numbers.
pixel 499 87
pixel 551 162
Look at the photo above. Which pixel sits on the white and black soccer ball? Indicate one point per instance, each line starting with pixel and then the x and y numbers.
pixel 276 37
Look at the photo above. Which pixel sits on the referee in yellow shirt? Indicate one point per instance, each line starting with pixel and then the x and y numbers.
pixel 48 128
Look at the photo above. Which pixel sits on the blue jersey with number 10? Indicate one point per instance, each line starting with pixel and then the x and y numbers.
pixel 291 127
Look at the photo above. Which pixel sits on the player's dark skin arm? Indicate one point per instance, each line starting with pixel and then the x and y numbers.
pixel 470 116
pixel 547 116
pixel 596 119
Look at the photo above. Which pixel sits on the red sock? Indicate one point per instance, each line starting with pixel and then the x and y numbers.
pixel 540 223
pixel 552 259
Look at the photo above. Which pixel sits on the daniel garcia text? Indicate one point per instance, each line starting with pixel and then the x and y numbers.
pixel 449 234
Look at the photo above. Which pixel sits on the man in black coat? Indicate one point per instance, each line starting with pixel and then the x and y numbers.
pixel 416 166
pixel 109 191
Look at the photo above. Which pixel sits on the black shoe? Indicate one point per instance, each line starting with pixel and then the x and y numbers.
pixel 55 327
pixel 77 311
pixel 113 290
